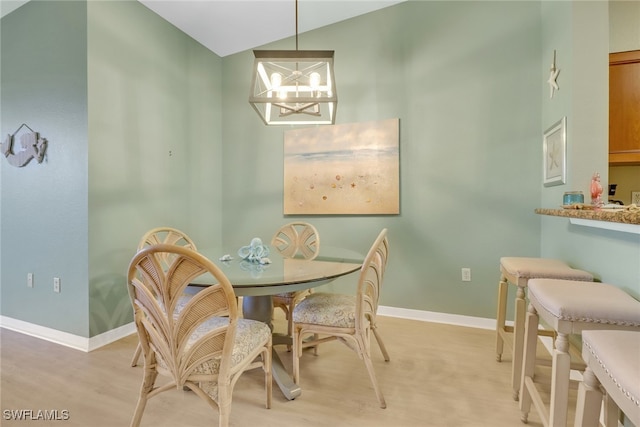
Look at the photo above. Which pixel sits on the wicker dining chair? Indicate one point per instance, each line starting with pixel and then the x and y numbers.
pixel 206 345
pixel 347 318
pixel 294 240
pixel 170 236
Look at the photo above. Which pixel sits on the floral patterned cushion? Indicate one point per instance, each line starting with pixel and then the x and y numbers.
pixel 182 301
pixel 286 295
pixel 327 309
pixel 250 334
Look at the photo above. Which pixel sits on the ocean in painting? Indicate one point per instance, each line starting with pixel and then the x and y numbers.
pixel 359 175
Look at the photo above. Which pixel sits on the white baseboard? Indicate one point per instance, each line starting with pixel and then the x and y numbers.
pixel 435 317
pixel 89 344
pixel 65 338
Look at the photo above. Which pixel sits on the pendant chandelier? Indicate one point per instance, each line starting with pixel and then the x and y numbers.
pixel 294 87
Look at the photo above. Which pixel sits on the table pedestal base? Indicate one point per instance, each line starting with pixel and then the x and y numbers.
pixel 260 308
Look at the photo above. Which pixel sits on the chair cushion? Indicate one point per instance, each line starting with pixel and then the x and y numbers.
pixel 288 295
pixel 250 334
pixel 327 309
pixel 614 357
pixel 530 268
pixel 578 301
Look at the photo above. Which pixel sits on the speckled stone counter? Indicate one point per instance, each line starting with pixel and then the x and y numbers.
pixel 625 216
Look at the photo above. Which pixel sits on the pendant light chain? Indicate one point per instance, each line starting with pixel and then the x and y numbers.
pixel 296 25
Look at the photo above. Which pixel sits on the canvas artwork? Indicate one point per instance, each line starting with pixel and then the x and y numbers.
pixel 343 169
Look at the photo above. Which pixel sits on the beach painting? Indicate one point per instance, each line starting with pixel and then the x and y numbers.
pixel 346 169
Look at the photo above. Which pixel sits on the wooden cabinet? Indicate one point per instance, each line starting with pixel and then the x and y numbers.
pixel 624 108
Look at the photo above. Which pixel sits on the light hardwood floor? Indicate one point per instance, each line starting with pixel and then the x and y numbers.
pixel 439 375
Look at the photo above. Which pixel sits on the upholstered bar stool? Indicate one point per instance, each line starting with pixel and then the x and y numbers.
pixel 613 364
pixel 568 307
pixel 518 271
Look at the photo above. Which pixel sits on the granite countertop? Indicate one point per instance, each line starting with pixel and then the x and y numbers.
pixel 629 215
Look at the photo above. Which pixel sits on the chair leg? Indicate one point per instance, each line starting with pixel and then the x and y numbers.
pixel 611 412
pixel 380 343
pixel 374 381
pixel 224 403
pixel 137 416
pixel 136 356
pixel 147 385
pixel 297 352
pixel 518 342
pixel 560 373
pixel 290 321
pixel 501 315
pixel 589 401
pixel 268 376
pixel 528 362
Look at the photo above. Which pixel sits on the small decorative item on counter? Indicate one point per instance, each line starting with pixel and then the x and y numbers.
pixel 572 198
pixel 596 190
pixel 255 251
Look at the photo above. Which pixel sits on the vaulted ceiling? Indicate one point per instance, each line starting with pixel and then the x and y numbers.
pixel 230 26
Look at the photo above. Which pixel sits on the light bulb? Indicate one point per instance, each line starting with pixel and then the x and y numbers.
pixel 276 80
pixel 314 81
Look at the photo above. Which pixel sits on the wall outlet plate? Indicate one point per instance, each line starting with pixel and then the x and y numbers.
pixel 635 197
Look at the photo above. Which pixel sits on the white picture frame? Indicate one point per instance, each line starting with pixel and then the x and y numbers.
pixel 554 148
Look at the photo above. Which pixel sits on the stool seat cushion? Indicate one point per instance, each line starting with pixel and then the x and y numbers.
pixel 531 268
pixel 578 301
pixel 617 355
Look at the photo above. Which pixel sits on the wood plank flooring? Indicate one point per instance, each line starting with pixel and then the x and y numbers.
pixel 439 375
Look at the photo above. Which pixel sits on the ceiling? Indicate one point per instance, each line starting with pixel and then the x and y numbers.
pixel 229 26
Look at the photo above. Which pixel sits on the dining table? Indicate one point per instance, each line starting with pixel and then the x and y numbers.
pixel 256 282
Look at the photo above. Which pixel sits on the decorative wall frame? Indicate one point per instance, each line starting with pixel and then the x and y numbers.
pixel 32 146
pixel 554 147
pixel 347 169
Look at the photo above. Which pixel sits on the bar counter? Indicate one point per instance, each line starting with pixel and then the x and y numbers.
pixel 626 220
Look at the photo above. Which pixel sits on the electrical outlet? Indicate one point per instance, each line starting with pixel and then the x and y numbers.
pixel 29 280
pixel 466 274
pixel 635 197
pixel 56 285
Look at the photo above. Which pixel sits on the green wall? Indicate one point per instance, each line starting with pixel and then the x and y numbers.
pixel 44 206
pixel 130 106
pixel 466 85
pixel 155 148
pixel 148 128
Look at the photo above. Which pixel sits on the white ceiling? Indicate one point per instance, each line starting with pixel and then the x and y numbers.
pixel 230 26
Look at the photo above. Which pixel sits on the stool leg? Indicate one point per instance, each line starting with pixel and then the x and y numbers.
pixel 518 342
pixel 560 372
pixel 611 412
pixel 501 316
pixel 589 401
pixel 528 362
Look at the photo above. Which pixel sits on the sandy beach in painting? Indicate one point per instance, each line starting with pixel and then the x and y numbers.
pixel 357 175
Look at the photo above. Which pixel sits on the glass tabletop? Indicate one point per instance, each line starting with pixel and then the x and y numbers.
pixel 281 274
